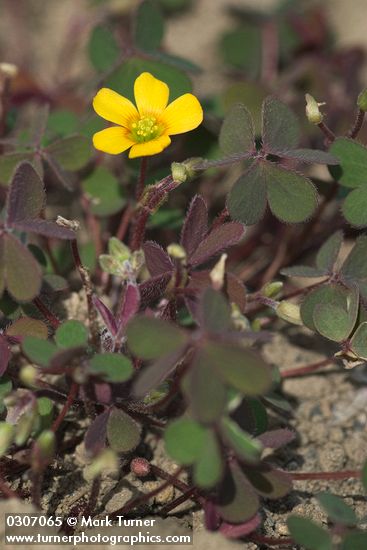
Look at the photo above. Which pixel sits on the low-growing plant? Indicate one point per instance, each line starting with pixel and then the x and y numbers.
pixel 178 292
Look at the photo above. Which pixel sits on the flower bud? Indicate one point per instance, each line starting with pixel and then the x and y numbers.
pixel 118 249
pixel 271 290
pixel 182 171
pixel 362 100
pixel 289 312
pixel 28 375
pixel 43 450
pixel 6 437
pixel 313 112
pixel 176 251
pixel 140 467
pixel 218 272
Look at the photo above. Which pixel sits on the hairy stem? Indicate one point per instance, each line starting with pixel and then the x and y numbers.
pixel 73 392
pixel 46 312
pixel 358 123
pixel 141 181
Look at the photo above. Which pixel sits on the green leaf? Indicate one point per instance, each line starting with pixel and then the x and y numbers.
pixel 184 439
pixel 302 271
pixel 237 131
pixel 241 48
pixel 311 156
pixel 123 433
pixel 358 342
pixel 354 269
pixel 237 501
pixel 114 367
pixel 208 468
pixel 71 334
pixel 216 312
pixel 45 409
pixel 352 171
pixel 239 367
pixel 103 48
pixel 62 122
pixel 336 509
pixel 38 351
pixel 328 253
pixel 354 208
pixel 149 26
pixel 22 272
pixel 122 79
pixel 280 130
pixel 355 540
pixel 309 534
pixel 205 391
pixel 247 200
pixel 106 194
pixel 71 153
pixel 332 322
pixel 9 161
pixel 292 197
pixel 242 443
pixel 150 338
pixel 323 295
pixel 251 94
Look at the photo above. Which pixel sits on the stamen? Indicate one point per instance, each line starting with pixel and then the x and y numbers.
pixel 145 129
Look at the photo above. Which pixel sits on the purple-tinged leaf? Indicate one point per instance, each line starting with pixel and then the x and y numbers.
pixel 199 281
pixel 195 227
pixel 106 315
pixel 151 338
pixel 130 306
pixel 45 228
pixel 275 439
pixel 71 153
pixel 215 312
pixel 9 161
pixel 26 326
pixel 123 433
pixel 156 259
pixel 243 529
pixel 280 127
pixel 23 275
pixel 153 289
pixel 269 482
pixel 58 172
pixel 247 201
pixel 237 500
pixel 63 357
pixel 26 196
pixel 151 376
pixel 219 239
pixel 310 156
pixel 4 354
pixel 95 437
pixel 235 291
pixel 237 133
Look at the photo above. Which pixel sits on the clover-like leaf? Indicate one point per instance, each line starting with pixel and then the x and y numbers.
pixel 354 540
pixel 8 163
pixel 156 259
pixel 150 377
pixel 310 535
pixel 246 201
pixel 354 268
pixel 150 338
pixel 280 130
pixel 269 482
pixel 26 326
pixel 195 226
pixel 352 156
pixel 149 26
pixel 123 433
pixel 208 467
pixel 244 446
pixel 237 500
pixel 355 207
pixel 104 191
pixel 184 440
pixel 215 312
pixel 310 156
pixel 71 334
pixel 95 436
pixel 114 367
pixel 237 132
pixel 71 153
pixel 38 351
pixel 336 509
pixel 292 197
pixel 325 295
pixel 336 321
pixel 328 253
pixel 103 48
pixel 219 239
pixel 358 343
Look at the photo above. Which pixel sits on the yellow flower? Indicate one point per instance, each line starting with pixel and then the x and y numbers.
pixel 147 127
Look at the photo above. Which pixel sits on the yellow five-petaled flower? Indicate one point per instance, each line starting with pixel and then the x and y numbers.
pixel 146 128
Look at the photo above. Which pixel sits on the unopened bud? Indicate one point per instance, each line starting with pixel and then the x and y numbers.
pixel 140 467
pixel 9 70
pixel 218 272
pixel 362 100
pixel 271 290
pixel 176 251
pixel 106 462
pixel 74 225
pixel 6 437
pixel 289 312
pixel 118 249
pixel 43 450
pixel 28 375
pixel 182 171
pixel 313 112
pixel 25 426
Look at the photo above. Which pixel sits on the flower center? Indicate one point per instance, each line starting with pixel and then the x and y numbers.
pixel 145 129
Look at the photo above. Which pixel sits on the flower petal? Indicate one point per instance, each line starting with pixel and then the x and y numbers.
pixel 182 115
pixel 114 107
pixel 112 140
pixel 150 147
pixel 151 94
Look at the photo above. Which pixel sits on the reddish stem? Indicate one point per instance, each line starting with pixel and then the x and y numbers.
pixel 69 401
pixel 51 318
pixel 124 223
pixel 329 134
pixel 139 231
pixel 308 369
pixel 141 181
pixel 346 474
pixel 358 123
